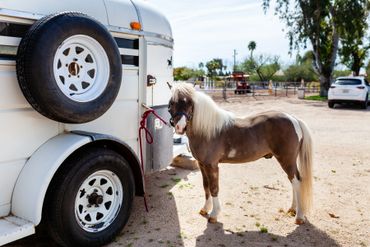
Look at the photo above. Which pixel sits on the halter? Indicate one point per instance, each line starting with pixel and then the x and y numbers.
pixel 181 113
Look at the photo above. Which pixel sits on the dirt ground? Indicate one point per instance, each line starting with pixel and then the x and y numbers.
pixel 255 196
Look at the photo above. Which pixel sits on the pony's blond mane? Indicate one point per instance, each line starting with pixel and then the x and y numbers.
pixel 208 118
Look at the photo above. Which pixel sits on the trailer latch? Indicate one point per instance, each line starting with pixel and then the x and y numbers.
pixel 151 80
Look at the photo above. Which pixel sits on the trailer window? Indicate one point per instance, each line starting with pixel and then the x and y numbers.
pixel 348 82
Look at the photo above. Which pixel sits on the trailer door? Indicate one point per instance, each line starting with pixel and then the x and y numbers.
pixel 159 72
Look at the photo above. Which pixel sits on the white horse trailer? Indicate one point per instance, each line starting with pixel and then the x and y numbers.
pixel 74 76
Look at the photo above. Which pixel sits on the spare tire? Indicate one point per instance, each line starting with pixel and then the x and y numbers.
pixel 69 67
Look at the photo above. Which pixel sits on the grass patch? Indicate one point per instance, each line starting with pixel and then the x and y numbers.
pixel 185 185
pixel 182 235
pixel 274 238
pixel 263 229
pixel 176 180
pixel 316 97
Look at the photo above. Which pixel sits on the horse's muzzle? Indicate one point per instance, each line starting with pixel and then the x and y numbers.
pixel 187 116
pixel 171 122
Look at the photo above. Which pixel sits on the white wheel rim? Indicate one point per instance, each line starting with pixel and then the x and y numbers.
pixel 81 68
pixel 98 201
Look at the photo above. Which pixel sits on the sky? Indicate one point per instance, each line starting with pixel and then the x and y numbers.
pixel 206 29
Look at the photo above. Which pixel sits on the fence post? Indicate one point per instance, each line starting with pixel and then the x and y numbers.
pixel 286 90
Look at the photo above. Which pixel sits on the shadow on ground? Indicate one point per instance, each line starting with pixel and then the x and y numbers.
pixel 159 226
pixel 303 235
pixel 349 106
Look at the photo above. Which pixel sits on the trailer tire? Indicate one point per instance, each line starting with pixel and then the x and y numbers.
pixel 69 67
pixel 90 199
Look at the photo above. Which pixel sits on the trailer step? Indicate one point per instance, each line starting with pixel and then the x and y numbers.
pixel 13 228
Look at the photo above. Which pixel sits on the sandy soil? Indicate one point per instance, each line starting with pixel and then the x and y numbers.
pixel 255 196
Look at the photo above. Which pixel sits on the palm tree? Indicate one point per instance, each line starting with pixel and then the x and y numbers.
pixel 252 46
pixel 201 65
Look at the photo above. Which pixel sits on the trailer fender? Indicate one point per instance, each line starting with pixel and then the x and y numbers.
pixel 121 147
pixel 34 179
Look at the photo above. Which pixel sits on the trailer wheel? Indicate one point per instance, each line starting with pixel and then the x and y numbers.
pixel 69 67
pixel 90 200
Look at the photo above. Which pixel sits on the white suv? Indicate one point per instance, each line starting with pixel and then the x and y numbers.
pixel 349 89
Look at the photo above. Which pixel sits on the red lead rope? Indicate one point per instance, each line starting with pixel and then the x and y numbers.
pixel 149 140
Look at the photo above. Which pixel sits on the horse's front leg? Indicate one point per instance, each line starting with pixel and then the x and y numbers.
pixel 208 203
pixel 212 174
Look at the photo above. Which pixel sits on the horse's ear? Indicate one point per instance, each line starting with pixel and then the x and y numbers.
pixel 169 85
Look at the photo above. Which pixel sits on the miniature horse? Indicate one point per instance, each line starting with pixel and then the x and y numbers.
pixel 216 135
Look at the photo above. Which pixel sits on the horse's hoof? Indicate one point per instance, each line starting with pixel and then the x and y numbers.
pixel 212 220
pixel 291 212
pixel 299 221
pixel 203 212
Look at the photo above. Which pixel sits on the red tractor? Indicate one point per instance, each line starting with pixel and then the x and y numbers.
pixel 240 79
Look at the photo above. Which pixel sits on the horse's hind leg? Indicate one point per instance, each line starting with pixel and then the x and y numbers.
pixel 212 174
pixel 296 184
pixel 294 178
pixel 292 209
pixel 208 204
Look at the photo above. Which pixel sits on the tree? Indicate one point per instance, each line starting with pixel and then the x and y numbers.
pixel 214 67
pixel 264 66
pixel 316 21
pixel 368 69
pixel 184 73
pixel 297 72
pixel 338 73
pixel 201 65
pixel 252 46
pixel 302 69
pixel 353 50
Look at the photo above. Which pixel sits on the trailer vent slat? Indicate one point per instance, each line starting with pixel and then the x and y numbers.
pixel 7 57
pixel 130 60
pixel 127 43
pixel 13 30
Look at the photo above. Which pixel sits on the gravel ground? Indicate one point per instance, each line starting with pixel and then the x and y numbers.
pixel 255 196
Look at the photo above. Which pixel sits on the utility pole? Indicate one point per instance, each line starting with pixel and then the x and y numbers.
pixel 235 53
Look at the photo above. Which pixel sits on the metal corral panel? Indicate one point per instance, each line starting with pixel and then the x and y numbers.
pixel 160 152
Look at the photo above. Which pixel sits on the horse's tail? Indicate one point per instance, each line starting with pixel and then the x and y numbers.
pixel 305 168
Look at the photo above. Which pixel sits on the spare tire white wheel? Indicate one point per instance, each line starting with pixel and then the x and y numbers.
pixel 69 67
